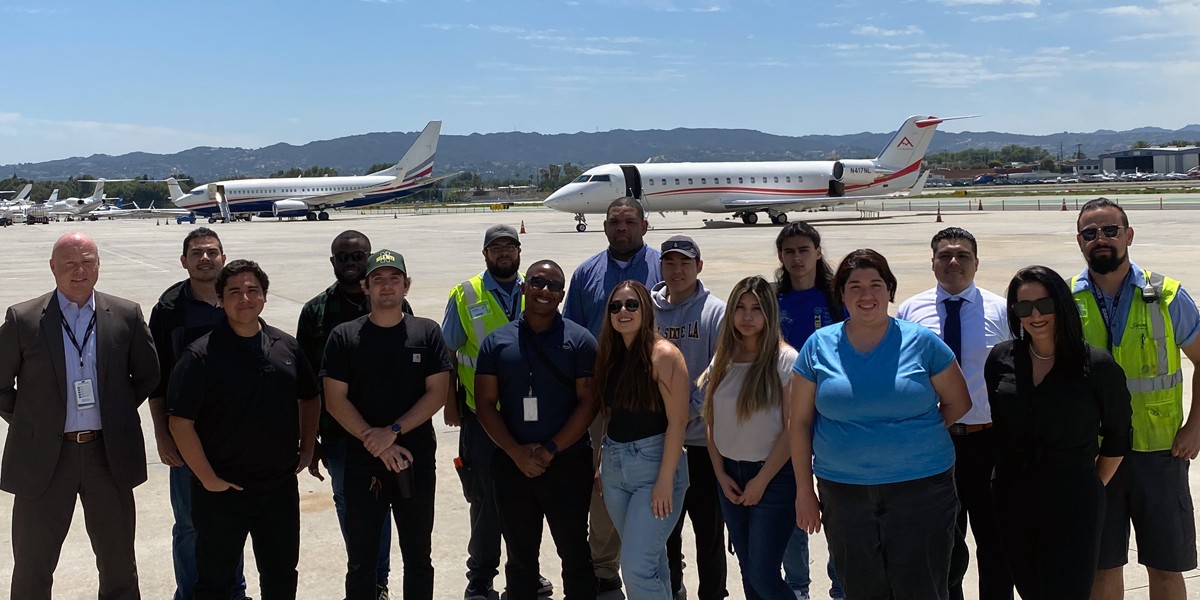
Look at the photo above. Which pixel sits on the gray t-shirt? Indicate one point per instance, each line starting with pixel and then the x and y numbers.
pixel 750 440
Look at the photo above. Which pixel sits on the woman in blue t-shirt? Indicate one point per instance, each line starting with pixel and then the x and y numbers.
pixel 871 400
pixel 803 287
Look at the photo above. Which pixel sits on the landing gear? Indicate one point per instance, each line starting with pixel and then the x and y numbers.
pixel 581 221
pixel 778 218
pixel 749 218
pixel 310 216
pixel 322 216
pixel 212 220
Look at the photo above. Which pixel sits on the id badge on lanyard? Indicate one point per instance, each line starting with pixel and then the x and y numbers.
pixel 84 390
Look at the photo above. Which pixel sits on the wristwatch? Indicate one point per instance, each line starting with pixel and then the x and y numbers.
pixel 396 428
pixel 551 447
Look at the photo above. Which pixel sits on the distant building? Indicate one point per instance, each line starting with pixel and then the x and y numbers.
pixel 1082 166
pixel 1152 160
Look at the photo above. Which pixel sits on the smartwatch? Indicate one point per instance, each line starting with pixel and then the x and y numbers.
pixel 551 447
pixel 396 428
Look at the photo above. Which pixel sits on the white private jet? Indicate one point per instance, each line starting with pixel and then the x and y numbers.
pixel 748 188
pixel 310 197
pixel 20 197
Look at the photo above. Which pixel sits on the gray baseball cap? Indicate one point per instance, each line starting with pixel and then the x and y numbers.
pixel 683 245
pixel 499 232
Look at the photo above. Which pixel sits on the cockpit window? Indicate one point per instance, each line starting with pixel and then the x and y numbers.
pixel 601 178
pixel 582 179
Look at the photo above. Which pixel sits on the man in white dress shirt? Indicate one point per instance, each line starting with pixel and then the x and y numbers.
pixel 970 321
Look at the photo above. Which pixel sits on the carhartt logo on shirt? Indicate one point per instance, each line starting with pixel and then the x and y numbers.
pixel 416 358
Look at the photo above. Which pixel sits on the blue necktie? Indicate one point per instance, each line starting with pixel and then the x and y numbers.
pixel 952 328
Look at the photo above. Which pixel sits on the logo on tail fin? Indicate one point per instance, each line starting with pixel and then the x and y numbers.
pixel 904 142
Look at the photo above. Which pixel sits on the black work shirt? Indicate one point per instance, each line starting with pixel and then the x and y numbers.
pixel 242 394
pixel 1055 424
pixel 318 318
pixel 385 369
pixel 509 354
pixel 177 320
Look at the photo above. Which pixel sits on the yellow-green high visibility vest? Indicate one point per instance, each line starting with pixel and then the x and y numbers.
pixel 1149 355
pixel 480 314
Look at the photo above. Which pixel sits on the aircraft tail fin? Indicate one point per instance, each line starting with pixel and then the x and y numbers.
pixel 23 195
pixel 909 144
pixel 173 188
pixel 53 197
pixel 418 161
pixel 98 194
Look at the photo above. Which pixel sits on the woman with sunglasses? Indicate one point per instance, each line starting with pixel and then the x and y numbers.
pixel 1051 396
pixel 745 388
pixel 644 382
pixel 871 399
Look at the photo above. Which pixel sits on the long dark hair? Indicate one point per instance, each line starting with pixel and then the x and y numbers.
pixel 1070 351
pixel 761 388
pixel 824 280
pixel 636 389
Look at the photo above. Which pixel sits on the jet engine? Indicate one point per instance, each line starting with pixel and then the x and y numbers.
pixel 854 172
pixel 290 208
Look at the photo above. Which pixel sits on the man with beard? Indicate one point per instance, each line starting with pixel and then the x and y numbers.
pixel 185 312
pixel 477 307
pixel 627 257
pixel 341 302
pixel 1144 319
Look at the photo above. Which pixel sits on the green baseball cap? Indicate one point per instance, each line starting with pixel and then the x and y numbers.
pixel 385 258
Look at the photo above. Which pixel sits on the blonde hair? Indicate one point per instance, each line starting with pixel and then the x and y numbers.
pixel 762 388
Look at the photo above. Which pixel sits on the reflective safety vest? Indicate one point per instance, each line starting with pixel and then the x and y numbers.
pixel 480 314
pixel 1148 354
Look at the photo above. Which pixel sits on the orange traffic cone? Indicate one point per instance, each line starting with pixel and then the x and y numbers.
pixel 522 226
pixel 939 214
pixel 1064 205
pixel 980 204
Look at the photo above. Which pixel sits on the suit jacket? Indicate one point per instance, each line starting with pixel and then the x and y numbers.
pixel 33 390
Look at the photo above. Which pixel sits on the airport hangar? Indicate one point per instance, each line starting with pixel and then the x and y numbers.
pixel 1152 160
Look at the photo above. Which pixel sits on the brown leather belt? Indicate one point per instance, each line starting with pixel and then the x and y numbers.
pixel 83 437
pixel 963 429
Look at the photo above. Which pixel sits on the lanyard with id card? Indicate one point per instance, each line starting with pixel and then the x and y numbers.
pixel 84 390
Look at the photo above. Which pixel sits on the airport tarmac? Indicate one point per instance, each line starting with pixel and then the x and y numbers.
pixel 139 258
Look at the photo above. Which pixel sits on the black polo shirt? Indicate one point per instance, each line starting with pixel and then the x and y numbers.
pixel 242 394
pixel 510 353
pixel 177 320
pixel 385 368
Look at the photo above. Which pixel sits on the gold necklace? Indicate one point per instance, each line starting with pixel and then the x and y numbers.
pixel 1039 356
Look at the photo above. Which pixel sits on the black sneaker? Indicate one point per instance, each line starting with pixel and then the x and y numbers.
pixel 545 588
pixel 474 593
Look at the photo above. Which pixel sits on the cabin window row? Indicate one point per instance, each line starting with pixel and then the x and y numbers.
pixel 728 180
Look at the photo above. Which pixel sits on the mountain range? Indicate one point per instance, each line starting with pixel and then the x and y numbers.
pixel 519 155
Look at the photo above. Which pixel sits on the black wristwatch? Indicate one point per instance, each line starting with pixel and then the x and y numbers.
pixel 551 447
pixel 396 428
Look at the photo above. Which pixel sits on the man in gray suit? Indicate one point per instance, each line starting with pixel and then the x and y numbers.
pixel 74 366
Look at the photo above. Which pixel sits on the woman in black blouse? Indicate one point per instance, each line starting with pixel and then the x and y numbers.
pixel 1051 396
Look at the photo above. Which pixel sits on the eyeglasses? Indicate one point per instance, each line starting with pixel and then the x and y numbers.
pixel 631 305
pixel 345 257
pixel 1025 308
pixel 540 283
pixel 1109 231
pixel 502 248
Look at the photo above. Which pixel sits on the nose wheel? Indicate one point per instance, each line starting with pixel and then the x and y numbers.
pixel 581 223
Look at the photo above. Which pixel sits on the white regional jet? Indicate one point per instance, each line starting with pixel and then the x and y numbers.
pixel 309 197
pixel 747 188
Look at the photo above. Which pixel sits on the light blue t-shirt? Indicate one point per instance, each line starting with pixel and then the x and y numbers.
pixel 877 418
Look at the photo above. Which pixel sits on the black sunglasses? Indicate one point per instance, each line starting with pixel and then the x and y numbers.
pixel 345 257
pixel 1109 231
pixel 631 305
pixel 540 283
pixel 1025 308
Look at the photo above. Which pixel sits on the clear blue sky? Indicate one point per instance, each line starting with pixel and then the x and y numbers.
pixel 122 76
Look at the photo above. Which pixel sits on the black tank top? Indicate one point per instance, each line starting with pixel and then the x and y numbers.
pixel 632 425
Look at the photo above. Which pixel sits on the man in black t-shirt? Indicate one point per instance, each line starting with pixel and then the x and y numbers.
pixel 243 407
pixel 385 376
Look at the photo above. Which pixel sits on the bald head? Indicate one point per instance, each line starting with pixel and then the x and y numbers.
pixel 75 263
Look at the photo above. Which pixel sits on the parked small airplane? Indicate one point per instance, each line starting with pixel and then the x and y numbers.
pixel 748 188
pixel 78 208
pixel 20 197
pixel 311 197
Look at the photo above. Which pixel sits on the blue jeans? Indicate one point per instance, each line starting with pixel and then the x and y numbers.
pixel 183 539
pixel 334 451
pixel 760 533
pixel 795 566
pixel 628 471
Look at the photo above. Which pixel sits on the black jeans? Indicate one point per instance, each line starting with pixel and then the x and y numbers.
pixel 475 449
pixel 370 493
pixel 975 458
pixel 701 505
pixel 223 520
pixel 561 495
pixel 891 541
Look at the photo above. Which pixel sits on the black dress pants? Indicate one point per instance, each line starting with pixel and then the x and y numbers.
pixel 702 506
pixel 975 458
pixel 223 520
pixel 370 493
pixel 561 495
